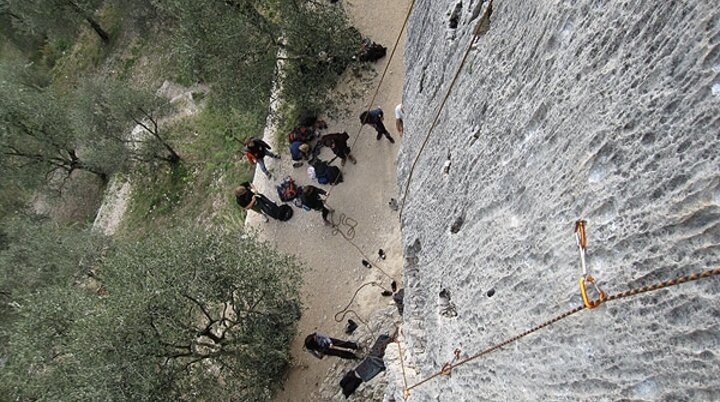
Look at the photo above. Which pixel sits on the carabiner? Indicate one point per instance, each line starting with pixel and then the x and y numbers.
pixel 583 292
pixel 580 233
pixel 446 369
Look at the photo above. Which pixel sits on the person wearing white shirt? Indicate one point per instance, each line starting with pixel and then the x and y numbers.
pixel 399 118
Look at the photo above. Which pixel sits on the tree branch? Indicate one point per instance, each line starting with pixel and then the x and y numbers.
pixel 197 303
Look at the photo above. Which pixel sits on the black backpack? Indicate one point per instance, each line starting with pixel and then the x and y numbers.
pixel 282 213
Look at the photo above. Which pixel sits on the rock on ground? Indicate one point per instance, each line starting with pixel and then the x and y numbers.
pixel 607 111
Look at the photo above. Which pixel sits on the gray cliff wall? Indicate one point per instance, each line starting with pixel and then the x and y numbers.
pixel 602 110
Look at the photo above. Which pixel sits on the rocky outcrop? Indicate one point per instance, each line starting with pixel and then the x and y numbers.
pixel 606 111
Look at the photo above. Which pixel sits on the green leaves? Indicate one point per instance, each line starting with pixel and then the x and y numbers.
pixel 192 314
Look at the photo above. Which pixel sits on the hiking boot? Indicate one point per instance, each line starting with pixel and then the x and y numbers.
pixel 391 139
pixel 352 159
pixel 297 164
pixel 269 176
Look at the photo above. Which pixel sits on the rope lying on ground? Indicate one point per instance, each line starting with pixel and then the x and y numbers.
pixel 345 220
pixel 342 314
pixel 477 32
pixel 616 296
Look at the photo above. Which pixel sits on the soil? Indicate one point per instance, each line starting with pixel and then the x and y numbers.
pixel 334 268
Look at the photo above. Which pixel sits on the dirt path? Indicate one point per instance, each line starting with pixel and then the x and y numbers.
pixel 334 266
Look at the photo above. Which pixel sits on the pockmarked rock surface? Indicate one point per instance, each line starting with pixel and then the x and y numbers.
pixel 564 110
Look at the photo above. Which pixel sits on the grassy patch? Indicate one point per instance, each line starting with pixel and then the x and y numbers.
pixel 200 189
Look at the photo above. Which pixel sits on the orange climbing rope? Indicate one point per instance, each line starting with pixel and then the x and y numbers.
pixel 479 30
pixel 382 76
pixel 387 66
pixel 616 296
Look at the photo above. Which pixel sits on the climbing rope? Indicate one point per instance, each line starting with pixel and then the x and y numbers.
pixel 382 76
pixel 616 296
pixel 342 314
pixel 387 67
pixel 406 391
pixel 343 220
pixel 477 32
pixel 349 235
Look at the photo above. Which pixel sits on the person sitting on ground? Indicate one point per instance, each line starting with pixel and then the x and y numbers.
pixel 399 115
pixel 369 51
pixel 256 150
pixel 320 345
pixel 374 118
pixel 311 120
pixel 311 198
pixel 245 197
pixel 337 142
pixel 299 150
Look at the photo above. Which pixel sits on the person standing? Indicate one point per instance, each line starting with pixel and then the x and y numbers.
pixel 311 198
pixel 337 142
pixel 374 118
pixel 320 345
pixel 399 115
pixel 245 197
pixel 256 150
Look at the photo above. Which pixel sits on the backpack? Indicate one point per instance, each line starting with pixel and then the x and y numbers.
pixel 302 134
pixel 250 157
pixel 327 174
pixel 287 189
pixel 282 213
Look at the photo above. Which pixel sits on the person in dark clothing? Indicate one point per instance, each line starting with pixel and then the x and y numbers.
pixel 337 142
pixel 310 197
pixel 320 345
pixel 246 198
pixel 374 118
pixel 256 150
pixel 299 150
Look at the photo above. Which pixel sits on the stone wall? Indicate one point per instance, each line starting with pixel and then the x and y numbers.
pixel 603 110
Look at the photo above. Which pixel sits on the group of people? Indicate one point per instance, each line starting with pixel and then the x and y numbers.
pixel 305 142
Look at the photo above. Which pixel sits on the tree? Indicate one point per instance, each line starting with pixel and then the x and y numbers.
pixel 35 131
pixel 234 45
pixel 36 255
pixel 56 18
pixel 104 114
pixel 194 314
pixel 320 45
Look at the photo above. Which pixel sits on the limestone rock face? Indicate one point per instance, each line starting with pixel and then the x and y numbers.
pixel 605 111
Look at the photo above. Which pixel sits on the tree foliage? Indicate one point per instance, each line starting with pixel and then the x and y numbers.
pixel 234 45
pixel 35 130
pixel 59 19
pixel 44 133
pixel 36 255
pixel 106 112
pixel 190 315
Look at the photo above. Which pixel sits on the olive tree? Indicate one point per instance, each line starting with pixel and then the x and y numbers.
pixel 55 18
pixel 106 111
pixel 193 314
pixel 36 133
